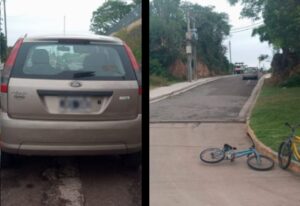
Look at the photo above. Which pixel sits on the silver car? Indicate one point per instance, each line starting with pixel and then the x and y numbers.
pixel 250 73
pixel 70 95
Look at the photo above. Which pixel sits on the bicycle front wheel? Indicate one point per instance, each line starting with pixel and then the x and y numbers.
pixel 212 155
pixel 262 164
pixel 284 155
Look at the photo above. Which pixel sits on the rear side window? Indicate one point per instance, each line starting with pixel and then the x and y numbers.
pixel 73 61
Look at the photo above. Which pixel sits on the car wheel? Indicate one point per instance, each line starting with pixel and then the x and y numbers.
pixel 133 160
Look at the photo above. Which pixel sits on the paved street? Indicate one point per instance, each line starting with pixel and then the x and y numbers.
pixel 178 177
pixel 219 100
pixel 52 181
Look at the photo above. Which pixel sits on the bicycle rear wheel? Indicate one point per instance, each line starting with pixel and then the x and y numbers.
pixel 212 155
pixel 284 154
pixel 264 164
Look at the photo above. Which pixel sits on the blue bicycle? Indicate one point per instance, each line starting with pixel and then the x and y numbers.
pixel 255 160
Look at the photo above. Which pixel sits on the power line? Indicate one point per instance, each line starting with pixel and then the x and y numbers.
pixel 242 30
pixel 245 27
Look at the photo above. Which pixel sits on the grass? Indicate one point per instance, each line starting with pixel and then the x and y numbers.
pixel 160 81
pixel 275 106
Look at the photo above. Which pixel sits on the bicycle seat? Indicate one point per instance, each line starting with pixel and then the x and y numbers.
pixel 228 147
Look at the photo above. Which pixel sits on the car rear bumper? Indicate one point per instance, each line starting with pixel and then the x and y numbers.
pixel 250 76
pixel 33 137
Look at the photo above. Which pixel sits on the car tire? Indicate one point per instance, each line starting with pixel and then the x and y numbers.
pixel 6 160
pixel 133 160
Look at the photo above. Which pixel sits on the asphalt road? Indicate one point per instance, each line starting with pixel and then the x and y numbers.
pixel 76 181
pixel 222 99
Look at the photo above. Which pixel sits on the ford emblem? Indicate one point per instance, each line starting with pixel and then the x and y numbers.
pixel 75 84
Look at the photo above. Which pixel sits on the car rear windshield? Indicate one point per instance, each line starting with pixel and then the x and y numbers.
pixel 251 69
pixel 53 60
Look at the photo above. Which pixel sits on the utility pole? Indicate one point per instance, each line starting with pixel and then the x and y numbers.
pixel 0 34
pixel 194 39
pixel 188 36
pixel 4 6
pixel 230 61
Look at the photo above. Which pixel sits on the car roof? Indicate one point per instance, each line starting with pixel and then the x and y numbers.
pixel 101 38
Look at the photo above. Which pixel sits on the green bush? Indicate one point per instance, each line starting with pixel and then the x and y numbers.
pixel 134 40
pixel 293 81
pixel 156 68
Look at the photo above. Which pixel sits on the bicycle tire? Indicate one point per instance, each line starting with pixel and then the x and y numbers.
pixel 267 163
pixel 216 154
pixel 284 151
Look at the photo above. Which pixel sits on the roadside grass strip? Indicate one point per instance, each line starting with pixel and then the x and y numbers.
pixel 275 106
pixel 160 81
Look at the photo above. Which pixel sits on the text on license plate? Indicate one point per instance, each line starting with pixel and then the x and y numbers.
pixel 76 104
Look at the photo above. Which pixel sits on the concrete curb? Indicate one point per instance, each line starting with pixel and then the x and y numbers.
pixel 262 148
pixel 248 106
pixel 199 121
pixel 184 89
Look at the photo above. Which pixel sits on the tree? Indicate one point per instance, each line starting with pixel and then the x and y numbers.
pixel 167 35
pixel 108 15
pixel 3 50
pixel 212 27
pixel 134 40
pixel 252 8
pixel 281 28
pixel 137 2
pixel 261 58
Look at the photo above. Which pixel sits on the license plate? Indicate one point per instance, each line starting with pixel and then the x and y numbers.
pixel 75 104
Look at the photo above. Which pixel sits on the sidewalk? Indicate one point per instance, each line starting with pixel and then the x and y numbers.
pixel 160 93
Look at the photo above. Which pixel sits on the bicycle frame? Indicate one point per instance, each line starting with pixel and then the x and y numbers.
pixel 247 152
pixel 294 142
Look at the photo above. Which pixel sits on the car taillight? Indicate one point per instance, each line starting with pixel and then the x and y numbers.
pixel 4 88
pixel 135 66
pixel 133 61
pixel 8 65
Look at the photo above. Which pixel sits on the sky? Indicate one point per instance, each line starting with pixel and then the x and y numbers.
pixel 38 17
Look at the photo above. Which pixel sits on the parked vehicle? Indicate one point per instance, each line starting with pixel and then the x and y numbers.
pixel 250 73
pixel 71 95
pixel 239 68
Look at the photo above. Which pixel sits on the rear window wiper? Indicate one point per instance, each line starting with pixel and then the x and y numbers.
pixel 83 74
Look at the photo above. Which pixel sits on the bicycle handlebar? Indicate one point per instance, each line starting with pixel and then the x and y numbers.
pixel 293 128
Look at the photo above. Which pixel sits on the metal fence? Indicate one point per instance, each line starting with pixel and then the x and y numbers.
pixel 134 15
